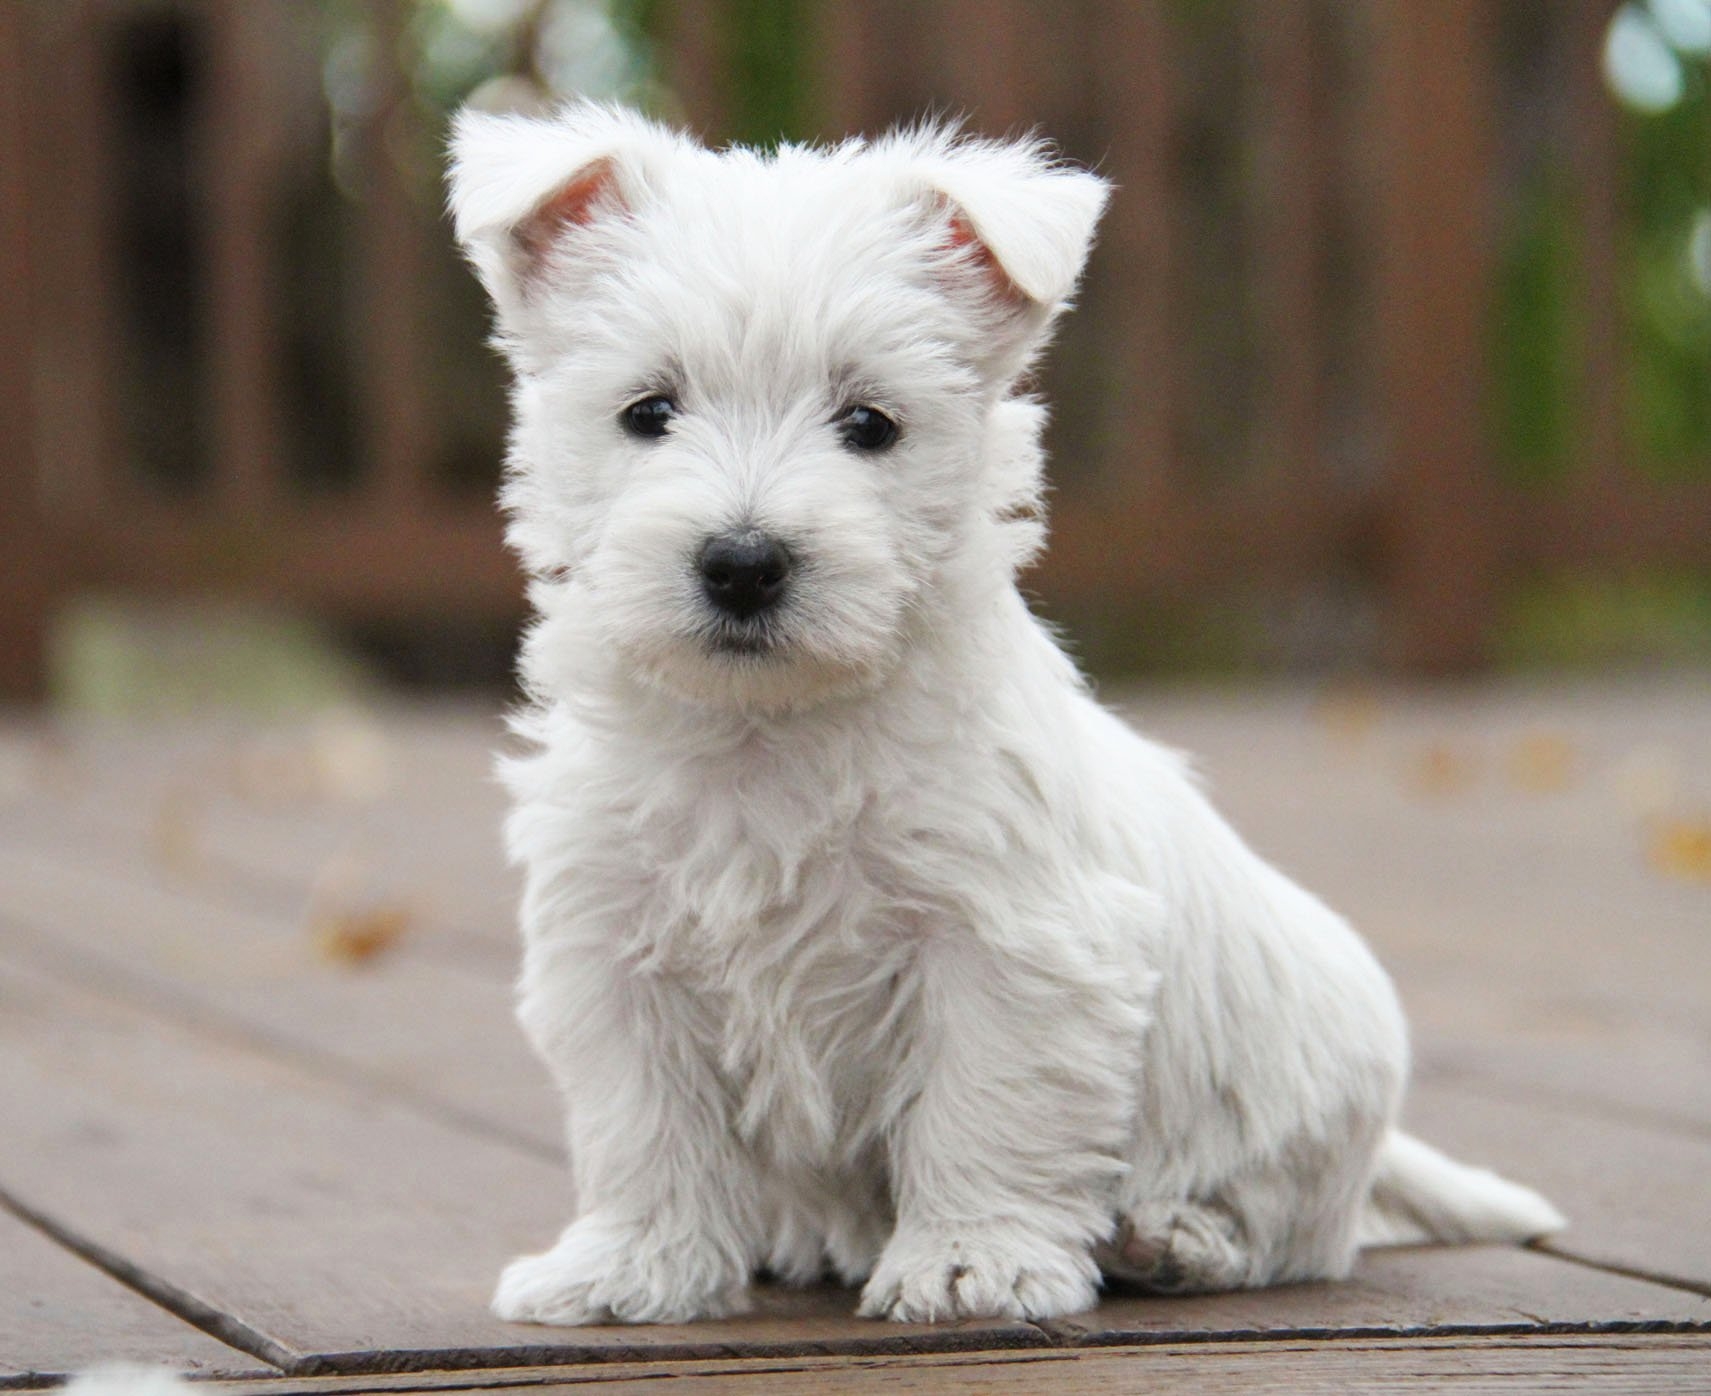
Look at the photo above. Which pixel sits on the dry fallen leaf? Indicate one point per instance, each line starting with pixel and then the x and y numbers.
pixel 352 916
pixel 1681 847
pixel 1542 762
pixel 356 937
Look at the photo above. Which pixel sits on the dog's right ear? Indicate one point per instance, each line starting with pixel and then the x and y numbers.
pixel 523 189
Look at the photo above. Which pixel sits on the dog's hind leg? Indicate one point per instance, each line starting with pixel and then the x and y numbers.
pixel 1292 1217
pixel 1178 1248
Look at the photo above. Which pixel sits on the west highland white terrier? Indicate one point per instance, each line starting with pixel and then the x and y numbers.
pixel 858 936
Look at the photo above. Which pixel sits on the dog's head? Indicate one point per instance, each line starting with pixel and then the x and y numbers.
pixel 763 402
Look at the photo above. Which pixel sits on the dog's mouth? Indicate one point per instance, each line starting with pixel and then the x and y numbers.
pixel 743 640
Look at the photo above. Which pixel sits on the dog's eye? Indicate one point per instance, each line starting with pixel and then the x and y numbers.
pixel 651 416
pixel 867 429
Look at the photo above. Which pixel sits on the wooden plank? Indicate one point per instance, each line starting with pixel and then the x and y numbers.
pixel 1406 1290
pixel 397 808
pixel 25 593
pixel 1531 938
pixel 992 79
pixel 1655 1075
pixel 392 270
pixel 420 1029
pixel 1131 69
pixel 848 62
pixel 449 563
pixel 693 38
pixel 238 140
pixel 1601 970
pixel 1626 1363
pixel 339 1228
pixel 1213 1369
pixel 1430 121
pixel 365 1236
pixel 60 1314
pixel 74 258
pixel 1636 1197
pixel 1283 207
pixel 1613 524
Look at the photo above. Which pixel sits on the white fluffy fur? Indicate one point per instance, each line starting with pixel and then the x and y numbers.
pixel 127 1379
pixel 887 950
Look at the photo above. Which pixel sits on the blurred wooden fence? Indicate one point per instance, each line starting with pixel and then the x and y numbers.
pixel 1275 388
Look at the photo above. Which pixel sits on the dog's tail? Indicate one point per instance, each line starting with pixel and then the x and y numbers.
pixel 1420 1195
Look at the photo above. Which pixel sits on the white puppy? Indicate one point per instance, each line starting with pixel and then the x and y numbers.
pixel 858 936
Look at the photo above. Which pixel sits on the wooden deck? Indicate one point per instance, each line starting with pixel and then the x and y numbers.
pixel 264 1117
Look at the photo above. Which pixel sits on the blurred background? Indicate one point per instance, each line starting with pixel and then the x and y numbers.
pixel 1394 356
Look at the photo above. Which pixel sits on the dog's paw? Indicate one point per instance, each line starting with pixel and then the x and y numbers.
pixel 1000 1273
pixel 1177 1248
pixel 601 1272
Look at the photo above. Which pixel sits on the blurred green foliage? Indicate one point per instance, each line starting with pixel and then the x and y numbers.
pixel 1533 368
pixel 1663 278
pixel 1574 621
pixel 766 47
pixel 1668 305
pixel 118 658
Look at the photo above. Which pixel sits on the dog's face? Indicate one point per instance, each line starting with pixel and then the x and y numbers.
pixel 760 400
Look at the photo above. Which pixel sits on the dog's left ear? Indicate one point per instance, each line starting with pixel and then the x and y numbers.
pixel 1020 222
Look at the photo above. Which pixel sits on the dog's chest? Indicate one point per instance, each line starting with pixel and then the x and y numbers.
pixel 810 1048
pixel 810 1000
pixel 781 916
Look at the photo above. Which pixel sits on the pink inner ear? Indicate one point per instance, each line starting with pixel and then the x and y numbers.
pixel 960 234
pixel 575 203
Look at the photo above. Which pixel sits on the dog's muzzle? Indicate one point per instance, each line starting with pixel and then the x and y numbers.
pixel 744 573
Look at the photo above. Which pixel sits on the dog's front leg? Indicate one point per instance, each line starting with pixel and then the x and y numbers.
pixel 1005 1164
pixel 664 1224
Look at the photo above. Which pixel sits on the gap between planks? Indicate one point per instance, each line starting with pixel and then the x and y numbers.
pixel 1557 1251
pixel 118 980
pixel 181 1303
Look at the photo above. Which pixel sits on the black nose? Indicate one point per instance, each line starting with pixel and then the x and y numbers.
pixel 744 573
